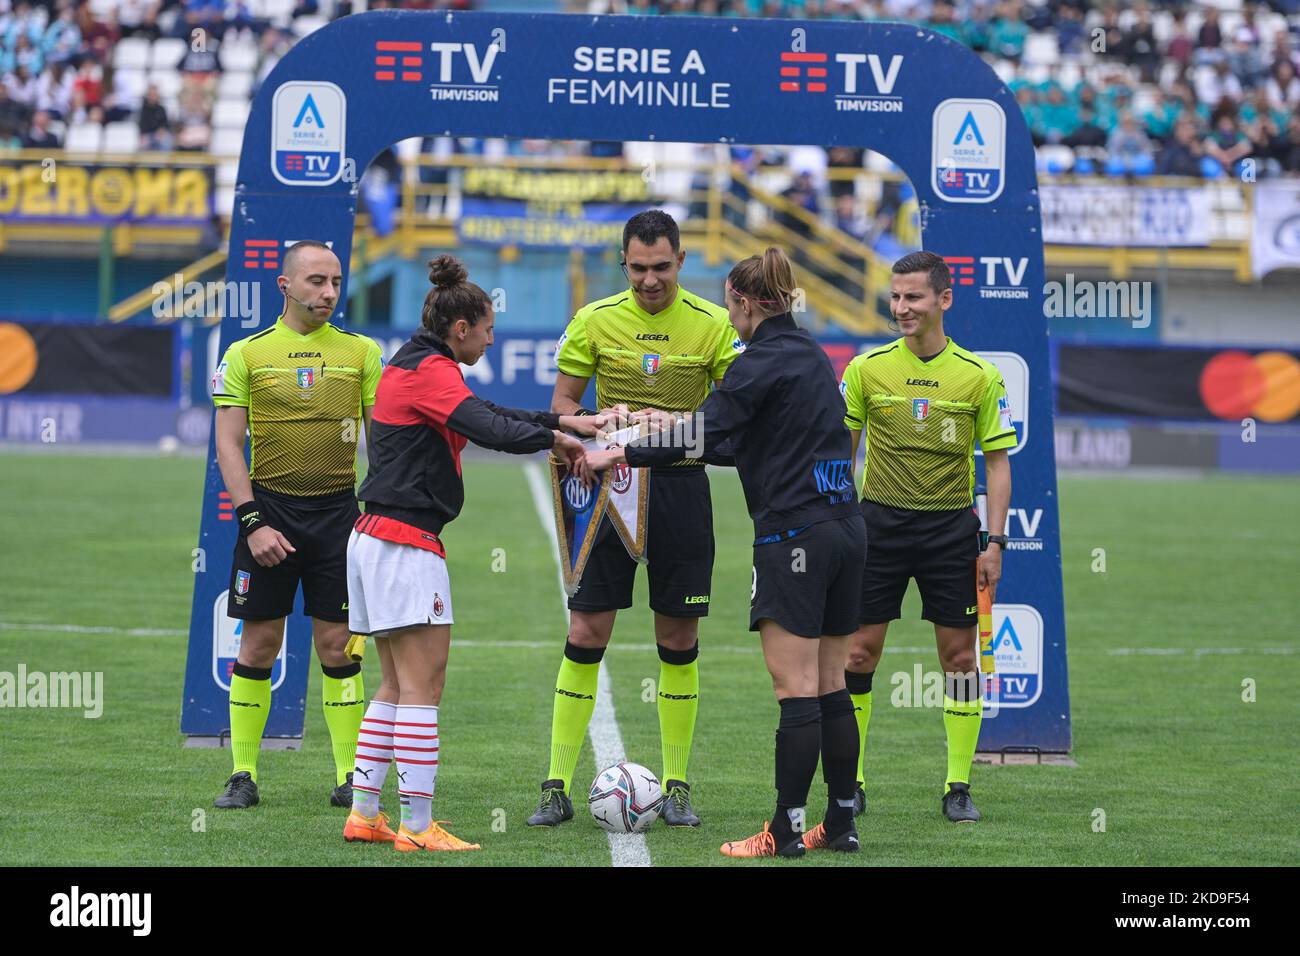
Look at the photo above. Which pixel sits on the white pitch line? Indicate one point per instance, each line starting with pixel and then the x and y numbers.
pixel 1265 650
pixel 624 849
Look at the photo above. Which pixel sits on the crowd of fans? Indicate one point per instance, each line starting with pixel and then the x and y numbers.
pixel 1107 89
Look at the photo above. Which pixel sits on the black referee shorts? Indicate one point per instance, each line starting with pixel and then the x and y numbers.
pixel 679 549
pixel 318 528
pixel 938 548
pixel 811 583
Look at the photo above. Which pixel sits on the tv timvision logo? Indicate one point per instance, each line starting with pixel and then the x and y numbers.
pixel 461 71
pixel 996 277
pixel 855 91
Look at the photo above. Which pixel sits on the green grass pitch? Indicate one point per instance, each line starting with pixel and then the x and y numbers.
pixel 1185 771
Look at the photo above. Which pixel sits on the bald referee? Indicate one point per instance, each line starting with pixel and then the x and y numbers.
pixel 300 391
pixel 923 402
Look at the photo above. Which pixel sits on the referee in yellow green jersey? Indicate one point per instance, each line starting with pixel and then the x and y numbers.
pixel 299 391
pixel 652 346
pixel 923 402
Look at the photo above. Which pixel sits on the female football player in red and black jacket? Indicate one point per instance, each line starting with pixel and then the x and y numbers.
pixel 398 588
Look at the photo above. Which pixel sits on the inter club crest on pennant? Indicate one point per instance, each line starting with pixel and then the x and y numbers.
pixel 920 408
pixel 306 377
pixel 650 364
pixel 241 582
pixel 578 511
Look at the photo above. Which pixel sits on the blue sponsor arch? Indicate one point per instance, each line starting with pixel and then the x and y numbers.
pixel 364 82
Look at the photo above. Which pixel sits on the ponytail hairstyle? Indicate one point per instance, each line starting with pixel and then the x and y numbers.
pixel 452 297
pixel 766 280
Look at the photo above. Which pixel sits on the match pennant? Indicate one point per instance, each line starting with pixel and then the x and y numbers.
pixel 578 511
pixel 629 495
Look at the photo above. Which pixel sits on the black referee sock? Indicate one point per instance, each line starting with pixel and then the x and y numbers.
pixel 798 746
pixel 839 759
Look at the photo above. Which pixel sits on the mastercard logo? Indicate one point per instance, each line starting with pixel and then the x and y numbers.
pixel 17 357
pixel 1266 386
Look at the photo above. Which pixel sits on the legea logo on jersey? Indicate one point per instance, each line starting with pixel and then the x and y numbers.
pixel 859 82
pixel 1015 373
pixel 650 364
pixel 308 133
pixel 1017 655
pixel 227 632
pixel 969 146
pixel 996 277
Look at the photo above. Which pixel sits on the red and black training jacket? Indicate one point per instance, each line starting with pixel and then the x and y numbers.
pixel 424 413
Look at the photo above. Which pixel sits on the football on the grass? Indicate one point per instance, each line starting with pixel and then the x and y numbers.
pixel 625 798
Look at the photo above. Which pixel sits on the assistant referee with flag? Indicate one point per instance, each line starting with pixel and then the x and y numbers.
pixel 923 402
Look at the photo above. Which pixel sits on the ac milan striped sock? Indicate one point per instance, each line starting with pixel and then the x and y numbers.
pixel 374 755
pixel 415 751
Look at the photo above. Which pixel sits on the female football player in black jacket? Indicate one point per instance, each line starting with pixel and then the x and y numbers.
pixel 398 588
pixel 779 416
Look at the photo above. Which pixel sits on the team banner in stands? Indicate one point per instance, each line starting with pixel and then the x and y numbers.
pixel 343 94
pixel 73 192
pixel 1276 241
pixel 549 208
pixel 1126 215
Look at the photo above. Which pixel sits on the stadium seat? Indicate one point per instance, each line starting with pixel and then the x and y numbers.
pixel 235 85
pixel 84 138
pixel 1005 69
pixel 131 82
pixel 227 174
pixel 131 53
pixel 168 83
pixel 1041 49
pixel 123 137
pixel 166 53
pixel 230 114
pixel 238 57
pixel 1055 159
pixel 1144 166
pixel 226 141
pixel 305 25
pixel 279 12
pixel 102 8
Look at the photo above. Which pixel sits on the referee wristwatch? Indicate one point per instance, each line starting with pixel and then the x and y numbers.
pixel 999 539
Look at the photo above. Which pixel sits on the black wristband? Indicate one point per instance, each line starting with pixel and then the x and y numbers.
pixel 584 411
pixel 249 516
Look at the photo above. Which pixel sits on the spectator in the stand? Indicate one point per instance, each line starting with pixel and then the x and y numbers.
pixel 89 84
pixel 192 121
pixel 1291 150
pixel 1128 148
pixel 138 18
pixel 942 21
pixel 1284 50
pixel 62 37
pixel 1181 46
pixel 23 87
pixel 203 15
pixel 1245 58
pixel 1210 36
pixel 155 127
pixel 1212 87
pixel 1087 135
pixel 39 135
pixel 1058 117
pixel 1182 155
pixel 1283 88
pixel 1069 30
pixel 1227 142
pixel 1007 37
pixel 845 158
pixel 54 91
pixel 27 55
pixel 13 114
pixel 803 195
pixel 99 34
pixel 642 8
pixel 849 220
pixel 9 138
pixel 977 27
pixel 1027 100
pixel 1139 47
pixel 1160 119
